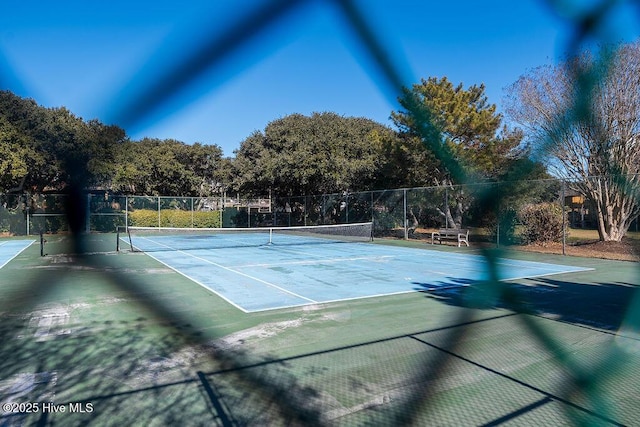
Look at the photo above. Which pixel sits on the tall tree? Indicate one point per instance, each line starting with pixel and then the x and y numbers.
pixel 321 153
pixel 584 114
pixel 54 146
pixel 18 158
pixel 169 168
pixel 447 129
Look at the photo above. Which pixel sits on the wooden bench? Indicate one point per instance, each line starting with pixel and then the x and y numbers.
pixel 457 234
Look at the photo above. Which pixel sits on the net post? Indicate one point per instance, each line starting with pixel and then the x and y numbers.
pixel 119 232
pixel 270 235
pixel 42 242
pixel 130 241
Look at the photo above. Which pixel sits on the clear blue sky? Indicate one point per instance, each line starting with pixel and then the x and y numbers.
pixel 96 57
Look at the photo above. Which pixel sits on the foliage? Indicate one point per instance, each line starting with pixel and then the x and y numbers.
pixel 174 218
pixel 49 148
pixel 320 154
pixel 542 223
pixel 12 221
pixel 467 125
pixel 502 228
pixel 450 134
pixel 168 167
pixel 584 114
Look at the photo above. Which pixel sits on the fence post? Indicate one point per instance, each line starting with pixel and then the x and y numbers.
pixel 564 225
pixel 498 227
pixel 371 206
pixel 404 203
pixel 87 224
pixel 346 207
pixel 446 207
pixel 126 212
pixel 224 201
pixel 159 222
pixel 27 209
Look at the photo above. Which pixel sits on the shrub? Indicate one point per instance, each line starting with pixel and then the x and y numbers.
pixel 174 218
pixel 504 228
pixel 541 223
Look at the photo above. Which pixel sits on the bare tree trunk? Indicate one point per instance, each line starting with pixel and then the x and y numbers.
pixel 615 205
pixel 598 146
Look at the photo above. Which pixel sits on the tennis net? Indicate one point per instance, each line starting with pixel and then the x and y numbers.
pixel 154 239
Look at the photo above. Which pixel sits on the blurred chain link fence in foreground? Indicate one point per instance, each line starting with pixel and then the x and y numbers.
pixel 271 393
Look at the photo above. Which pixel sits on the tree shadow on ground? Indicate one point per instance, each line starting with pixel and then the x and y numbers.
pixel 599 305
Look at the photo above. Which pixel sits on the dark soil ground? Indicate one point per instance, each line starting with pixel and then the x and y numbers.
pixel 625 250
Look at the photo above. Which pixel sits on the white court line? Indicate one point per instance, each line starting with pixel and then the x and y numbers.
pixel 228 269
pixel 287 248
pixel 198 283
pixel 283 307
pixel 395 253
pixel 471 267
pixel 548 268
pixel 18 253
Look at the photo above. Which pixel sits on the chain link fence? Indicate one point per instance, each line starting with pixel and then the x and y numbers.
pixel 444 356
pixel 32 214
pixel 407 213
pixel 412 213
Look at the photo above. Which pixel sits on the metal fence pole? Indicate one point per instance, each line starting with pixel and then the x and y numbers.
pixel 346 207
pixel 498 228
pixel 564 223
pixel 446 208
pixel 371 207
pixel 404 205
pixel 26 209
pixel 87 225
pixel 224 196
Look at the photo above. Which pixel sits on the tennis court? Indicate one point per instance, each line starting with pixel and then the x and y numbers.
pixel 255 271
pixel 123 334
pixel 9 249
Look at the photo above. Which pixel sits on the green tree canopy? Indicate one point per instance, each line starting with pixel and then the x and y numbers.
pixel 51 147
pixel 321 153
pixel 464 124
pixel 168 167
pixel 452 135
pixel 17 157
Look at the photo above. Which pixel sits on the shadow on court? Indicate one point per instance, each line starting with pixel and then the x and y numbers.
pixel 140 371
pixel 599 305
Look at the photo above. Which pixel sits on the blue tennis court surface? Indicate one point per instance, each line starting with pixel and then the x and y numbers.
pixel 264 277
pixel 9 249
